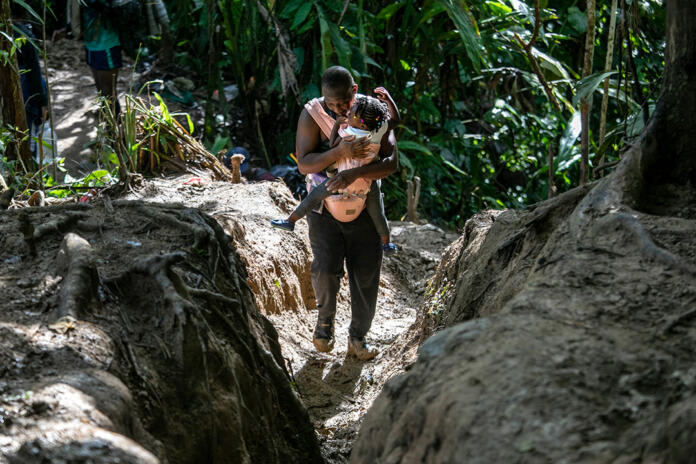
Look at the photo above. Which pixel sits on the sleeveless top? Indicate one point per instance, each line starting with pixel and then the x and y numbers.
pixel 348 203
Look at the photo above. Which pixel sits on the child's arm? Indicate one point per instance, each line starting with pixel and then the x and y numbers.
pixel 383 95
pixel 334 138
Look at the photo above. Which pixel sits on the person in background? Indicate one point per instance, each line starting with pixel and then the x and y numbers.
pixel 34 89
pixel 90 20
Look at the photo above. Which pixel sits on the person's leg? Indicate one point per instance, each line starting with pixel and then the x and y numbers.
pixel 363 262
pixel 328 248
pixel 375 208
pixel 105 80
pixel 311 202
pixel 105 65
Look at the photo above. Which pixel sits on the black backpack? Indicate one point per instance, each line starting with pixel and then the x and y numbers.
pixel 127 17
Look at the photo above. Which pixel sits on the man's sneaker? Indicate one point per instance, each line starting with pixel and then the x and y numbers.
pixel 323 338
pixel 361 350
pixel 283 224
pixel 389 248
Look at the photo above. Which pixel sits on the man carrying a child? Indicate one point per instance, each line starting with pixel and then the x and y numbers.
pixel 333 242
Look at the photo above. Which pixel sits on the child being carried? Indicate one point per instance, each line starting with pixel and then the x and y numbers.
pixel 370 117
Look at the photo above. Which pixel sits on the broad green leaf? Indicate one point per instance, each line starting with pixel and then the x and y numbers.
pixel 388 11
pixel 369 60
pixel 340 45
pixel 406 163
pixel 498 8
pixel 301 15
pixel 413 146
pixel 325 38
pixel 58 193
pixel 623 97
pixel 219 144
pixel 454 168
pixel 466 26
pixel 163 107
pixel 291 7
pixel 550 63
pixel 577 19
pixel 431 12
pixel 586 87
pixel 24 5
pixel 570 135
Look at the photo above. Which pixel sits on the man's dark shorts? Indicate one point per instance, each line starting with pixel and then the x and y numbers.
pixel 104 60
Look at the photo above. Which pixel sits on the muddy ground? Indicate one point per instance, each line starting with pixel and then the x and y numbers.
pixel 336 391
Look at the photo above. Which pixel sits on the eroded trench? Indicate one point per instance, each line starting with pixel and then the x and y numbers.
pixel 130 330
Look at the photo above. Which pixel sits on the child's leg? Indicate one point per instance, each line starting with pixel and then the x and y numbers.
pixel 375 208
pixel 311 202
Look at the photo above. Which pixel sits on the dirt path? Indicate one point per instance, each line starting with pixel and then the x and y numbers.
pixel 338 390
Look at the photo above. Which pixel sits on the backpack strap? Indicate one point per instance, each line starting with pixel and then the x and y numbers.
pixel 321 117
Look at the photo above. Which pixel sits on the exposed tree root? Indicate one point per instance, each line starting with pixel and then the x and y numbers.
pixel 76 264
pixel 673 322
pixel 174 293
pixel 646 245
pixel 60 224
pixel 126 348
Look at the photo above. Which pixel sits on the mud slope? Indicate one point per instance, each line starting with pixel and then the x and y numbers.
pixel 129 334
pixel 578 346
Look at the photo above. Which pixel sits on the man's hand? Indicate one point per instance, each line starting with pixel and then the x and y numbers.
pixel 355 148
pixel 341 120
pixel 341 180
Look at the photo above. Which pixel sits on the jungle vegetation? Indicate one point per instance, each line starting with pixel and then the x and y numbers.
pixel 492 93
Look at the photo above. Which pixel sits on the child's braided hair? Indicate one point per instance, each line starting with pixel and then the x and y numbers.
pixel 371 111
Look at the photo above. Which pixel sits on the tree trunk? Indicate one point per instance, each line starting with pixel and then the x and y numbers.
pixel 671 134
pixel 11 100
pixel 586 104
pixel 607 67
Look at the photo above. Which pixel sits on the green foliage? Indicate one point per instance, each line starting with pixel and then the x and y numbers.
pixel 477 123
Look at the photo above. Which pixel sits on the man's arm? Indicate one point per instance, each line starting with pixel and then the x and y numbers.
pixel 379 169
pixel 308 140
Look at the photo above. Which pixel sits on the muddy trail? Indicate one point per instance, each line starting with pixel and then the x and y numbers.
pixel 100 348
pixel 336 390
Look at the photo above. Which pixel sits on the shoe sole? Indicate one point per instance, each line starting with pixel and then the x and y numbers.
pixel 362 357
pixel 283 228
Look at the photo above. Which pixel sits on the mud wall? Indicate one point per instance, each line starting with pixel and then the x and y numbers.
pixel 129 331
